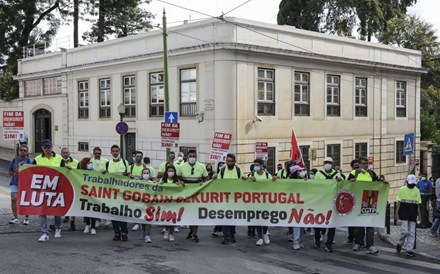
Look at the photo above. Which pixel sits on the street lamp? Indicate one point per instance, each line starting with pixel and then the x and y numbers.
pixel 121 111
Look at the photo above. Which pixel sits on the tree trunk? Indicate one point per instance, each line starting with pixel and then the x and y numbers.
pixel 75 22
pixel 101 21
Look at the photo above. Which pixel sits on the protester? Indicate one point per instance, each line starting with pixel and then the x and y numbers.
pixel 368 175
pixel 435 229
pixel 210 171
pixel 147 163
pixel 86 164
pixel 163 165
pixel 354 164
pixel 98 162
pixel 69 163
pixel 118 166
pixel 408 208
pixel 297 172
pixel 169 177
pixel 48 158
pixel 424 185
pixel 192 172
pixel 13 167
pixel 145 176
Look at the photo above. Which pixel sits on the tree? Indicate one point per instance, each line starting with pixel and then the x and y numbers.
pixel 118 19
pixel 303 14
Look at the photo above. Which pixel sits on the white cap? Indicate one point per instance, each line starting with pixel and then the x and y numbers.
pixel 328 159
pixel 411 179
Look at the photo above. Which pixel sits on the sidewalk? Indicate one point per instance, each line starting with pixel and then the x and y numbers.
pixel 6 154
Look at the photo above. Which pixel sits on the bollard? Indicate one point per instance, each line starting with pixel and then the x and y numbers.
pixel 388 219
pixel 394 216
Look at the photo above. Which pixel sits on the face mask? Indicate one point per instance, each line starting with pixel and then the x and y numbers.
pixel 89 166
pixel 180 159
pixel 257 168
pixel 363 170
pixel 116 158
pixel 192 160
pixel 328 167
pixel 312 176
pixel 146 176
pixel 423 178
pixel 138 160
pixel 170 174
pixel 66 159
pixel 302 174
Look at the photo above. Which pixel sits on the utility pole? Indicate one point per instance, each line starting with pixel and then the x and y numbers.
pixel 165 70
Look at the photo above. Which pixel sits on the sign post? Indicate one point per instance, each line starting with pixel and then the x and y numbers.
pixel 220 146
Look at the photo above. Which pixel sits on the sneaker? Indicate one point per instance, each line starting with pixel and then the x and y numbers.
pixel 328 248
pixel 116 238
pixel 135 227
pixel 87 229
pixel 356 247
pixel 97 224
pixel 165 235
pixel 316 244
pixel 290 237
pixel 214 234
pixel 189 236
pixel 57 233
pixel 72 226
pixel 43 238
pixel 398 248
pixel 124 238
pixel 410 254
pixel 163 230
pixel 296 247
pixel 372 250
pixel 107 223
pixel 176 229
pixel 363 245
pixel 195 239
pixel 266 239
pixel 93 231
pixel 322 238
pixel 350 242
pixel 14 221
pixel 260 242
pixel 26 221
pixel 147 239
pixel 171 238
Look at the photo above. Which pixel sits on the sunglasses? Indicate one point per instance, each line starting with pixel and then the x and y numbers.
pixel 192 171
pixel 46 147
pixel 97 153
pixel 25 150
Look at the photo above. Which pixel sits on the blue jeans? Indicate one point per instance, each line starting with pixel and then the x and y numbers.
pixel 43 224
pixel 436 227
pixel 297 237
pixel 408 233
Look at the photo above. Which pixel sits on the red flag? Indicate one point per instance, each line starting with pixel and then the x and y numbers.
pixel 295 153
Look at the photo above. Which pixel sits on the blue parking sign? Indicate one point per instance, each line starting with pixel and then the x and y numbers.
pixel 408 144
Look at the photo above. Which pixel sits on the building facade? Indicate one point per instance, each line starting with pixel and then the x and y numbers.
pixel 344 98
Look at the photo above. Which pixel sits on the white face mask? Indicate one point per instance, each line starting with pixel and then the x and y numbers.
pixel 423 178
pixel 66 159
pixel 97 161
pixel 170 174
pixel 312 176
pixel 146 176
pixel 328 167
pixel 192 160
pixel 302 173
pixel 180 159
pixel 116 158
pixel 89 166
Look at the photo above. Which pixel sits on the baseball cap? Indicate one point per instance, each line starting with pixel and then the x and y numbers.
pixel 295 168
pixel 46 142
pixel 328 159
pixel 411 179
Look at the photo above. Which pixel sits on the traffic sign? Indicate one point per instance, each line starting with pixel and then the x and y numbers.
pixel 171 117
pixel 121 128
pixel 408 143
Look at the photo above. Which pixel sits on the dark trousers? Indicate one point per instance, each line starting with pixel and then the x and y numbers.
pixel 364 232
pixel 351 233
pixel 251 231
pixel 120 228
pixel 91 221
pixel 424 210
pixel 229 231
pixel 330 235
pixel 261 230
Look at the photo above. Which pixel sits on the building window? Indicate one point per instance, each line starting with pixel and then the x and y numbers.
pixel 105 101
pixel 360 150
pixel 185 151
pixel 156 94
pixel 305 150
pixel 52 85
pixel 266 92
pixel 83 146
pixel 334 151
pixel 32 88
pixel 83 99
pixel 400 157
pixel 302 96
pixel 400 99
pixel 333 95
pixel 360 97
pixel 130 95
pixel 188 92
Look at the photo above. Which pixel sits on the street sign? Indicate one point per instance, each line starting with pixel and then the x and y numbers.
pixel 170 133
pixel 261 150
pixel 121 128
pixel 220 146
pixel 408 144
pixel 171 117
pixel 13 123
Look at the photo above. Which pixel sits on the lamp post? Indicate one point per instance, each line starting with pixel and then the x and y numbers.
pixel 121 111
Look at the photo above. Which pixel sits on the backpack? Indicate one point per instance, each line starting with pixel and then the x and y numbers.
pixel 328 176
pixel 222 172
pixel 125 165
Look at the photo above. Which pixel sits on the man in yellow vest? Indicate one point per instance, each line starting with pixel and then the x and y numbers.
pixel 48 158
pixel 98 162
pixel 70 163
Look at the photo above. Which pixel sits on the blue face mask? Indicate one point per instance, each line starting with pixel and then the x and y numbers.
pixel 257 168
pixel 192 160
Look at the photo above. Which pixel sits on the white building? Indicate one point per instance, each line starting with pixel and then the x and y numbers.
pixel 345 98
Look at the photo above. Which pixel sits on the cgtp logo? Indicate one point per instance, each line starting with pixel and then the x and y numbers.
pixel 369 202
pixel 344 202
pixel 44 191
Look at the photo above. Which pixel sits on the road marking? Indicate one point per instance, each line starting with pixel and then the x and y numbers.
pixel 5 192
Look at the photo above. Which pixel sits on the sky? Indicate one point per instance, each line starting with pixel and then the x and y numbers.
pixel 257 10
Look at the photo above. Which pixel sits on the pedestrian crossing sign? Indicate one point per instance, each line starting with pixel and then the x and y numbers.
pixel 408 144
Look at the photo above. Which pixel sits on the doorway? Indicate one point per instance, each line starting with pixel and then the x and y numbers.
pixel 43 128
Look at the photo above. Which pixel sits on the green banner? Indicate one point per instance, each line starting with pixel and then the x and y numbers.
pixel 287 202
